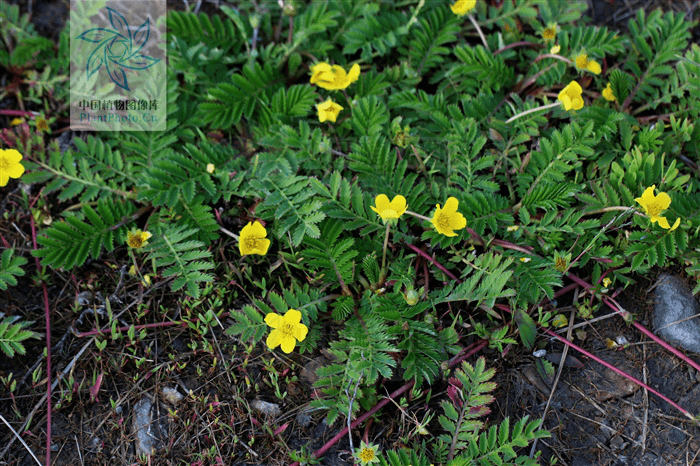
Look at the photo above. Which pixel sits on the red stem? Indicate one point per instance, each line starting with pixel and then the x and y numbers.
pixel 19 113
pixel 318 453
pixel 622 373
pixel 615 306
pixel 433 261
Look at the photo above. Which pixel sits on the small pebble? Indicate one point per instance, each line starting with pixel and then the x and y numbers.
pixel 171 395
pixel 268 409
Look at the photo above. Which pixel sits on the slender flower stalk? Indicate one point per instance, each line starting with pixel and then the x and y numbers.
pixel 479 31
pixel 386 243
pixel 533 110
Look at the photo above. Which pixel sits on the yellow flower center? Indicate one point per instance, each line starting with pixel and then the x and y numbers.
pixel 251 243
pixel 389 213
pixel 287 330
pixel 366 455
pixel 582 61
pixel 654 209
pixel 549 33
pixel 135 241
pixel 443 221
pixel 560 264
pixel 4 163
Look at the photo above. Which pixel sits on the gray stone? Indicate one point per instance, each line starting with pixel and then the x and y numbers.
pixel 151 430
pixel 268 409
pixel 676 313
pixel 171 395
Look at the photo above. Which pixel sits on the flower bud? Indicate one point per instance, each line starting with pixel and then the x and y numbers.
pixel 411 297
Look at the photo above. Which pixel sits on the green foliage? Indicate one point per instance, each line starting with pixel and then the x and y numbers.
pixel 428 119
pixel 68 243
pixel 228 102
pixel 426 47
pixel 361 354
pixel 333 258
pixel 558 155
pixel 28 46
pixel 93 171
pixel 483 283
pixel 376 32
pixel 657 40
pixel 468 399
pixel 10 267
pixel 182 258
pixel 12 335
pixel 534 279
pixel 210 30
pixel 291 200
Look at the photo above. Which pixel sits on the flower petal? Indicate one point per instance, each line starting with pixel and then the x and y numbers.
pixel 675 224
pixel 451 205
pixel 288 344
pixel 15 171
pixel 274 339
pixel 457 221
pixel 292 317
pixel 263 246
pixel 274 320
pixel 663 200
pixel 398 204
pixel 663 223
pixel 381 202
pixel 300 332
pixel 354 73
pixel 11 155
pixel 257 230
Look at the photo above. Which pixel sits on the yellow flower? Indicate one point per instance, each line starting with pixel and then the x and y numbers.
pixel 606 282
pixel 137 239
pixel 462 7
pixel 608 94
pixel 447 219
pixel 16 121
pixel 389 210
pixel 583 63
pixel 287 329
pixel 252 239
pixel 550 32
pixel 41 124
pixel 328 110
pixel 9 165
pixel 367 454
pixel 513 228
pixel 321 72
pixel 334 77
pixel 570 96
pixel 555 49
pixel 525 259
pixel 210 168
pixel 655 205
pixel 594 67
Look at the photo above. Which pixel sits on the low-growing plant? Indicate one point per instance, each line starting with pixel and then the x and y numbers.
pixel 384 183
